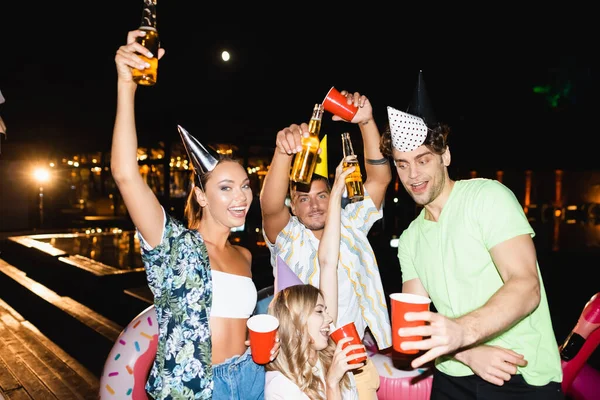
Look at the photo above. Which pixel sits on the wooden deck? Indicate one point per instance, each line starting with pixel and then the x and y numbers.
pixel 34 367
pixel 51 346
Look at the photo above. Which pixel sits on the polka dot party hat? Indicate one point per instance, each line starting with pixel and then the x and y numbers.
pixel 408 131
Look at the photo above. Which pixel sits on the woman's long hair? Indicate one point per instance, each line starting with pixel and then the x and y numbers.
pixel 293 306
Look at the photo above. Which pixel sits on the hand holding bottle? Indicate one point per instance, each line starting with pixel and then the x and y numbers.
pixel 354 183
pixel 365 110
pixel 289 139
pixel 128 56
pixel 341 174
pixel 306 160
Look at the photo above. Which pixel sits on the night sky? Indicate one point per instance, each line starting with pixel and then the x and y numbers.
pixel 504 96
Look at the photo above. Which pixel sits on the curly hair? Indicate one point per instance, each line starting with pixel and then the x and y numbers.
pixel 436 140
pixel 193 211
pixel 293 306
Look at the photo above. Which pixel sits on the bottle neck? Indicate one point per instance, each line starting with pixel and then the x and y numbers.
pixel 347 145
pixel 314 126
pixel 149 14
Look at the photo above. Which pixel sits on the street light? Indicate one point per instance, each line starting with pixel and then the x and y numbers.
pixel 41 175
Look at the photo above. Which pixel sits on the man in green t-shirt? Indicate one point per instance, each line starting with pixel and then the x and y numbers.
pixel 471 251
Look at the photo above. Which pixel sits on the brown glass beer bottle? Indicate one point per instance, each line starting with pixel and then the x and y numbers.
pixel 148 76
pixel 305 161
pixel 354 183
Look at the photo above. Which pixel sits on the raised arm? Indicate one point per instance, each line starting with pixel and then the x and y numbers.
pixel 329 245
pixel 275 214
pixel 143 206
pixel 377 167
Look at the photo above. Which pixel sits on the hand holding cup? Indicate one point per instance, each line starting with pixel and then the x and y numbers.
pixel 263 341
pixel 344 359
pixel 344 106
pixel 349 331
pixel 403 303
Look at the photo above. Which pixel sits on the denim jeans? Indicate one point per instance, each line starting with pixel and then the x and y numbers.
pixel 239 378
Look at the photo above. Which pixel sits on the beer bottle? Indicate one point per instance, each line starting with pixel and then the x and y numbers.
pixel 305 161
pixel 147 77
pixel 354 183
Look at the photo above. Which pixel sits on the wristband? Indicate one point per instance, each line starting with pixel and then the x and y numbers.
pixel 380 161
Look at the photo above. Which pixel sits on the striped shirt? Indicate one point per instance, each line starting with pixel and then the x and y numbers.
pixel 360 292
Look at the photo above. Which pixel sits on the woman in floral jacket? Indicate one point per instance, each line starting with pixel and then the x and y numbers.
pixel 202 286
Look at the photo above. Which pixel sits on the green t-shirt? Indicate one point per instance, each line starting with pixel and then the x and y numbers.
pixel 451 258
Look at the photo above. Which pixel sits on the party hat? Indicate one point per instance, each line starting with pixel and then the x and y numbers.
pixel 420 105
pixel 408 131
pixel 203 159
pixel 321 167
pixel 284 276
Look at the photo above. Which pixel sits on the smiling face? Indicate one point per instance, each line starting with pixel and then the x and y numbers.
pixel 227 196
pixel 311 207
pixel 318 325
pixel 423 173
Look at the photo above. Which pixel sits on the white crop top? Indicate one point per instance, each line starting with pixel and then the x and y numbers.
pixel 234 296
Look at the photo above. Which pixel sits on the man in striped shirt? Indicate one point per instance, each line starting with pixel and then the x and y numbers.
pixel 295 236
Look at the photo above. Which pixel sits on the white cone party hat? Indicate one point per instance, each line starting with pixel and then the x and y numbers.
pixel 408 131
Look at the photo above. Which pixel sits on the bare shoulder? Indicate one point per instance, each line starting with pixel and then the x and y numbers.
pixel 245 253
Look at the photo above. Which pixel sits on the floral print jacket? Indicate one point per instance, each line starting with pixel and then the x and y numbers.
pixel 179 276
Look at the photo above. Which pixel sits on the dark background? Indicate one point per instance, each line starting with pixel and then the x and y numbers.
pixel 482 69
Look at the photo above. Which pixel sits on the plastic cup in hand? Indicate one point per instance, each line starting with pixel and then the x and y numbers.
pixel 336 104
pixel 349 330
pixel 262 330
pixel 401 304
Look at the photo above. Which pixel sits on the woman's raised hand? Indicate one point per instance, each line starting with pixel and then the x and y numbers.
pixel 340 363
pixel 127 56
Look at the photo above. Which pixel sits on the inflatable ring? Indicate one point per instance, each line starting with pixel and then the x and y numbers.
pixel 127 366
pixel 396 383
pixel 581 381
pixel 586 384
pixel 399 384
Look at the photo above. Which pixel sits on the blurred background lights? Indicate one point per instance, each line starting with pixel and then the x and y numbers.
pixel 41 175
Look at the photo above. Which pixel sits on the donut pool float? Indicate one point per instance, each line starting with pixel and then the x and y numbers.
pixel 400 384
pixel 580 380
pixel 127 366
pixel 413 384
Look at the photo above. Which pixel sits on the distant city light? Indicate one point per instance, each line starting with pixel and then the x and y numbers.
pixel 41 175
pixel 225 55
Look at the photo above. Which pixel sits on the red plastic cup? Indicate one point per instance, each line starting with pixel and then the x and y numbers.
pixel 349 330
pixel 262 330
pixel 401 304
pixel 336 104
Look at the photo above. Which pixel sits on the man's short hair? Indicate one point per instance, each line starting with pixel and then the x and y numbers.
pixel 301 187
